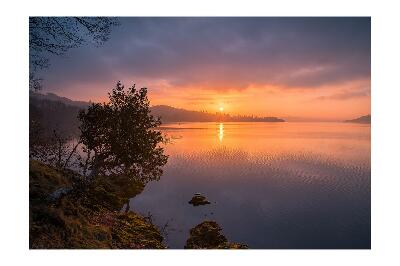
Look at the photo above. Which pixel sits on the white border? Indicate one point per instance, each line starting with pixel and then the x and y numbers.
pixel 385 131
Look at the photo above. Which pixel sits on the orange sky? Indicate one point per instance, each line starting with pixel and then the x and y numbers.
pixel 309 68
pixel 334 102
pixel 337 102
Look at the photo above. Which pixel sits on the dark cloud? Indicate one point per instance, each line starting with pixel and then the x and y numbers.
pixel 222 53
pixel 346 95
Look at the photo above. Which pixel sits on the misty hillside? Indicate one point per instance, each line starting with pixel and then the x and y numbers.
pixel 171 114
pixel 366 119
pixel 55 98
pixel 53 114
pixel 60 112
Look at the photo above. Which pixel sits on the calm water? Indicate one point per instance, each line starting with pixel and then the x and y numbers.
pixel 272 185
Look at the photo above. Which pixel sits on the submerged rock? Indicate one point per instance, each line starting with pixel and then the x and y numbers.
pixel 199 199
pixel 207 235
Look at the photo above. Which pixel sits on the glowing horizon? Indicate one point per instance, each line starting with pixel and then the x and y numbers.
pixel 313 68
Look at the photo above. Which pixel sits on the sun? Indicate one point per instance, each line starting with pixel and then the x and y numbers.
pixel 221 108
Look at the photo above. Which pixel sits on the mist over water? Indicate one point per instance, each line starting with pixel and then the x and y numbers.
pixel 271 185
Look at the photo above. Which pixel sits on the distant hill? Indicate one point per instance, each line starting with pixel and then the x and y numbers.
pixel 54 114
pixel 55 98
pixel 51 104
pixel 366 119
pixel 172 114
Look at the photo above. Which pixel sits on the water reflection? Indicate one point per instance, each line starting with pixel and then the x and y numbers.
pixel 272 185
pixel 221 132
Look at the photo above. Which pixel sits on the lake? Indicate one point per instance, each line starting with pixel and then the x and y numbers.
pixel 271 185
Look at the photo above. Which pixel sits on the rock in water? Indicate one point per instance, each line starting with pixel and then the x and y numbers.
pixel 199 199
pixel 207 235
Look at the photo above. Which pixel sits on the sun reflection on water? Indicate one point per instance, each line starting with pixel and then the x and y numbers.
pixel 221 132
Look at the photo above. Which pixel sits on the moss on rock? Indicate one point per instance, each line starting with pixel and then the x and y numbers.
pixel 133 231
pixel 87 217
pixel 207 235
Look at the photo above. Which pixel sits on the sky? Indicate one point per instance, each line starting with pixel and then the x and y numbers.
pixel 307 68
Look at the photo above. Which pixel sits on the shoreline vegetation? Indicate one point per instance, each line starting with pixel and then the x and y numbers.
pixel 84 208
pixel 169 114
pixel 120 152
pixel 88 159
pixel 61 112
pixel 88 217
pixel 91 217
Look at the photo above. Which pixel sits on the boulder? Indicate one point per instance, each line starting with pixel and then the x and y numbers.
pixel 207 235
pixel 199 199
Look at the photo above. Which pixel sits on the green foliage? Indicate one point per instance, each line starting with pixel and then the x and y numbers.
pixel 123 153
pixel 109 193
pixel 88 217
pixel 44 179
pixel 128 224
pixel 120 137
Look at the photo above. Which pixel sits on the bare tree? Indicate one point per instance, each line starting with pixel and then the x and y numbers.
pixel 58 150
pixel 56 35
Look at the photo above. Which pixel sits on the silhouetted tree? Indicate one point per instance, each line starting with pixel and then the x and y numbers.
pixel 56 35
pixel 120 138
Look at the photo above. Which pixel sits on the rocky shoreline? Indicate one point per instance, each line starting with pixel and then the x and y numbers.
pixel 90 217
pixel 87 217
pixel 207 235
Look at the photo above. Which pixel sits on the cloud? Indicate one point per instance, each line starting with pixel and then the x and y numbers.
pixel 350 91
pixel 220 54
pixel 348 95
